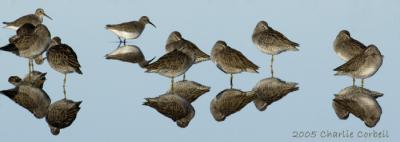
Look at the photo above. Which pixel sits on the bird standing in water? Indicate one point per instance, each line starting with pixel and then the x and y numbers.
pixel 231 61
pixel 347 47
pixel 129 30
pixel 272 42
pixel 63 59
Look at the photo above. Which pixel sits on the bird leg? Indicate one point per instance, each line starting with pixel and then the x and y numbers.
pixel 362 83
pixel 29 66
pixel 172 85
pixel 120 40
pixel 184 76
pixel 29 69
pixel 272 67
pixel 65 82
pixel 354 82
pixel 33 69
pixel 231 81
pixel 119 45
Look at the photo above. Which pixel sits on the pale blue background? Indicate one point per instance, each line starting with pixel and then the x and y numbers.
pixel 113 92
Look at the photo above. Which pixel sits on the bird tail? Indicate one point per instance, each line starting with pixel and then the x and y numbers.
pixel 294 49
pixel 10 48
pixel 9 93
pixel 338 73
pixel 78 70
pixel 5 24
pixel 108 26
pixel 146 63
pixel 149 102
pixel 77 104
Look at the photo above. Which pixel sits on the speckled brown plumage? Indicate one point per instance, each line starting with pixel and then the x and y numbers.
pixel 35 100
pixel 62 58
pixel 189 90
pixel 347 47
pixel 230 101
pixel 270 90
pixel 231 61
pixel 176 41
pixel 174 107
pixel 363 106
pixel 363 65
pixel 34 79
pixel 62 114
pixel 340 110
pixel 35 19
pixel 29 45
pixel 270 41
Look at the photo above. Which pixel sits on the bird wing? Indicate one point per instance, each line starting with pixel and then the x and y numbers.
pixel 356 45
pixel 170 60
pixel 352 64
pixel 62 113
pixel 65 55
pixel 236 59
pixel 274 37
pixel 32 18
pixel 233 102
pixel 131 26
pixel 172 107
pixel 200 55
pixel 24 42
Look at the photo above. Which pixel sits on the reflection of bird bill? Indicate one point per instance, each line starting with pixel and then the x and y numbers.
pixel 270 90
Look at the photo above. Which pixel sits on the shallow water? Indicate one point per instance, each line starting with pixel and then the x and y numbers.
pixel 113 92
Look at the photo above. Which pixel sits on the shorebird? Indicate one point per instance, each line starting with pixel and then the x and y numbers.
pixel 25 30
pixel 361 105
pixel 31 45
pixel 189 90
pixel 347 47
pixel 34 99
pixel 63 59
pixel 174 107
pixel 231 61
pixel 62 114
pixel 176 41
pixel 363 65
pixel 270 90
pixel 230 101
pixel 34 19
pixel 172 64
pixel 340 110
pixel 129 30
pixel 34 79
pixel 129 53
pixel 271 42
